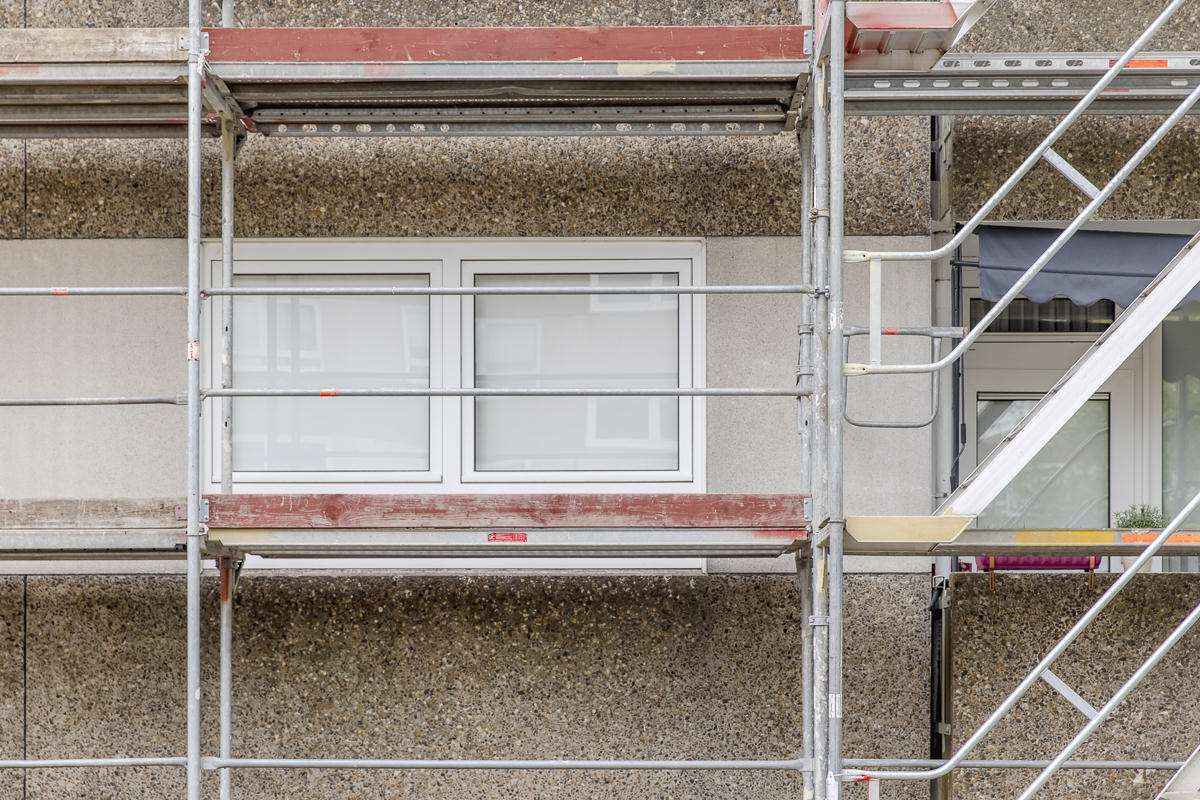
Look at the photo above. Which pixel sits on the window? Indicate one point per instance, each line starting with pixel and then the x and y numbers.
pixel 521 341
pixel 1067 483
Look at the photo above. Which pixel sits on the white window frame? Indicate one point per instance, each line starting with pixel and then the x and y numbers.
pixel 451 343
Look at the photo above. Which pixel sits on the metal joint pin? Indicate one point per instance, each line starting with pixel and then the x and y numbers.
pixel 821 291
pixel 805 329
pixel 819 212
pixel 818 621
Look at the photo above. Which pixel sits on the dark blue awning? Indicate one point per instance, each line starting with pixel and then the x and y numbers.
pixel 1094 265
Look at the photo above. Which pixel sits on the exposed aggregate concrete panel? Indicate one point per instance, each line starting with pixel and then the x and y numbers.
pixel 107 677
pixel 1015 26
pixel 987 150
pixel 101 188
pixel 368 13
pixel 12 13
pixel 492 667
pixel 12 188
pixel 999 634
pixel 12 680
pixel 104 188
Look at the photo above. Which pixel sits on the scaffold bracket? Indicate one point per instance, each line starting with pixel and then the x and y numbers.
pixel 181 511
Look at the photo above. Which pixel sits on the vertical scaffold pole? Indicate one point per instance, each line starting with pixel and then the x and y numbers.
pixel 804 577
pixel 228 587
pixel 837 399
pixel 228 144
pixel 820 461
pixel 805 424
pixel 195 534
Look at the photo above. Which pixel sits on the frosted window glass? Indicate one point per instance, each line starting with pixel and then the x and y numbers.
pixel 576 341
pixel 1181 410
pixel 321 342
pixel 1066 484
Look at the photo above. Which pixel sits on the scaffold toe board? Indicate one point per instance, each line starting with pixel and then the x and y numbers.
pixel 509 525
pixel 973 542
pixel 507 543
pixel 33 544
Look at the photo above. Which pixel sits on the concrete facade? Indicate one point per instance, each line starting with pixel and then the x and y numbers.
pixel 1000 633
pixel 512 666
pixel 489 666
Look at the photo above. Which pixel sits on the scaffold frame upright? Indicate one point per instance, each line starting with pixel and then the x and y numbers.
pixel 819 91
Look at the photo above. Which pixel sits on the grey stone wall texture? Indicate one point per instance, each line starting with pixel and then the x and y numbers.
pixel 672 667
pixel 489 667
pixel 1000 633
pixel 987 149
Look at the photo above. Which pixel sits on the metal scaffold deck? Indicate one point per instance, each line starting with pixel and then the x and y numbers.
pixel 890 59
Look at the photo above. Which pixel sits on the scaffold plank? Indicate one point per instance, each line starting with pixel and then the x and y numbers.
pixel 87 45
pixel 82 513
pixel 1099 542
pixel 625 44
pixel 538 511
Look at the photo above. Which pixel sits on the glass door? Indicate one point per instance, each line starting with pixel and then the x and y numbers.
pixel 1090 468
pixel 1067 483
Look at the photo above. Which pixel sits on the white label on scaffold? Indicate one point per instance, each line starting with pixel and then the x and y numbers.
pixel 835 706
pixel 832 787
pixel 193 350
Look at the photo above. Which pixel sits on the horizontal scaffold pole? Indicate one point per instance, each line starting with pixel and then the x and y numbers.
pixel 143 400
pixel 239 291
pixel 798 764
pixel 94 291
pixel 792 391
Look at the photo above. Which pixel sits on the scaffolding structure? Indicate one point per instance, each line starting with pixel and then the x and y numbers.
pixel 229 83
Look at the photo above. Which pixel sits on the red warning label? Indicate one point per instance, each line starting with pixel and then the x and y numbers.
pixel 508 536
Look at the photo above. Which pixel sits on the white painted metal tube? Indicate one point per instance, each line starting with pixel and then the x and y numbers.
pixel 228 145
pixel 1103 714
pixel 875 326
pixel 453 291
pixel 1048 660
pixel 1036 156
pixel 794 764
pixel 1046 257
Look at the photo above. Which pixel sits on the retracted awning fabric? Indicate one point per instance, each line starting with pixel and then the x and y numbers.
pixel 1092 266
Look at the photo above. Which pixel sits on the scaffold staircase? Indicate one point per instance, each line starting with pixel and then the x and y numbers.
pixel 960 509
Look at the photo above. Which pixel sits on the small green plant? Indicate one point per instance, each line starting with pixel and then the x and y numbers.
pixel 1140 517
